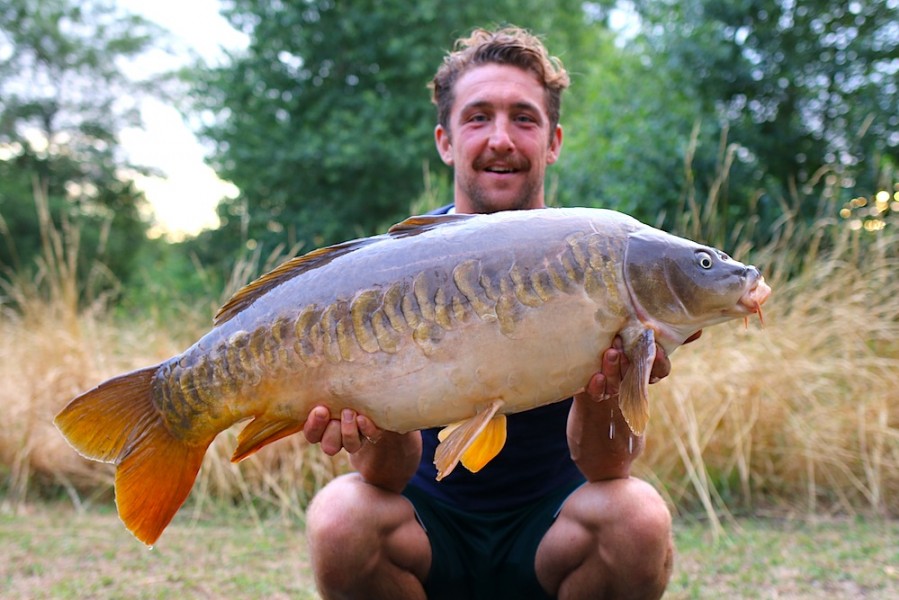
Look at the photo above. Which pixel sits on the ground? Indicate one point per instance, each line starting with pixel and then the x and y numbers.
pixel 53 551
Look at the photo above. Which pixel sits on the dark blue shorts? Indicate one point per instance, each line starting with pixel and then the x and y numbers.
pixel 485 555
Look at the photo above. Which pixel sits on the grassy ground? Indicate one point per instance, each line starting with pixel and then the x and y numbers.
pixel 50 551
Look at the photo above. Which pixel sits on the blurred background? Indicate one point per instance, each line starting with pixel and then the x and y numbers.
pixel 155 156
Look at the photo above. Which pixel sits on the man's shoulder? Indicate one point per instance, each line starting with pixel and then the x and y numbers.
pixel 443 210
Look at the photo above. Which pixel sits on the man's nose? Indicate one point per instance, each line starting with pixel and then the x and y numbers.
pixel 500 136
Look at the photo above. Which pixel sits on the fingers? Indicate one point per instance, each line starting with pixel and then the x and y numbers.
pixel 349 432
pixel 661 367
pixel 612 368
pixel 693 337
pixel 316 423
pixel 369 430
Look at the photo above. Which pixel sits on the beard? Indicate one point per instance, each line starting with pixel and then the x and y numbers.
pixel 485 200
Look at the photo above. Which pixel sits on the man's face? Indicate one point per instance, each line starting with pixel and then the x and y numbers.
pixel 499 140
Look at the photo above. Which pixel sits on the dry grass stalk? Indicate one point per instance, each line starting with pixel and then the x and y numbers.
pixel 802 415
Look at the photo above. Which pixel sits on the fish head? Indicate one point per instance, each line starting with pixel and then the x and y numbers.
pixel 679 287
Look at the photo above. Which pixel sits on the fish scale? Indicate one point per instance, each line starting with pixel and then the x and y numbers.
pixel 445 320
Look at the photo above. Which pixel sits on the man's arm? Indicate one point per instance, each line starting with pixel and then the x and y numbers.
pixel 602 445
pixel 384 459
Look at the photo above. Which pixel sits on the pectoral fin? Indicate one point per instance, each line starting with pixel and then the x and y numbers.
pixel 475 441
pixel 634 392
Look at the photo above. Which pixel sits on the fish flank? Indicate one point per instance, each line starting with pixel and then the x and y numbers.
pixel 330 317
pixel 281 340
pixel 559 276
pixel 490 283
pixel 263 351
pixel 581 261
pixel 573 272
pixel 467 278
pixel 363 312
pixel 442 307
pixel 508 314
pixel 345 339
pixel 427 336
pixel 388 338
pixel 201 375
pixel 422 288
pixel 221 374
pixel 411 311
pixel 460 313
pixel 309 338
pixel 521 287
pixel 393 309
pixel 542 284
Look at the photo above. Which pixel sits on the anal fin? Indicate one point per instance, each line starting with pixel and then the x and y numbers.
pixel 633 396
pixel 474 442
pixel 260 432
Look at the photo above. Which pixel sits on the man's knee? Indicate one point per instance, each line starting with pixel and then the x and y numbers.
pixel 644 527
pixel 365 542
pixel 626 548
pixel 334 521
pixel 648 516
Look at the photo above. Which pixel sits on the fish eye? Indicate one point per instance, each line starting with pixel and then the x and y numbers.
pixel 705 260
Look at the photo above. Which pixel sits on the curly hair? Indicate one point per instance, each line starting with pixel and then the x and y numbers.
pixel 507 46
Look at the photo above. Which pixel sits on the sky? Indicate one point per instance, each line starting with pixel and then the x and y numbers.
pixel 184 199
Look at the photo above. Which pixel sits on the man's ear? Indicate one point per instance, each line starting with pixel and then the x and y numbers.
pixel 555 146
pixel 444 145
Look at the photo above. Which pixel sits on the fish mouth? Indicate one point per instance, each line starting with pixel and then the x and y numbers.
pixel 755 296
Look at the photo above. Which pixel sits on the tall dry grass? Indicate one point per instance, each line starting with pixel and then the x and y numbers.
pixel 800 416
pixel 57 345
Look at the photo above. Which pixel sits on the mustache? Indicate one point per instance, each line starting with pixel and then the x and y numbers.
pixel 518 163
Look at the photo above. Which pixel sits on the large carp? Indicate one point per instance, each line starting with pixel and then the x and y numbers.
pixel 454 319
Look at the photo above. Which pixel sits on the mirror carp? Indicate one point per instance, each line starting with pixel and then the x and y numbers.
pixel 452 320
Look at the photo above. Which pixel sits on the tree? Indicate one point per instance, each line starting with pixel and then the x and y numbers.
pixel 799 86
pixel 627 131
pixel 325 124
pixel 63 100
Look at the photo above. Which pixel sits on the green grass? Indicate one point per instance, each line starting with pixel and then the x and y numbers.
pixel 779 558
pixel 51 551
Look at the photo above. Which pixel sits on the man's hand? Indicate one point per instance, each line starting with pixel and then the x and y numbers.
pixel 383 458
pixel 602 445
pixel 605 383
pixel 350 432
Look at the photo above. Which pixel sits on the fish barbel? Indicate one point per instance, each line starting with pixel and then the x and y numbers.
pixel 445 320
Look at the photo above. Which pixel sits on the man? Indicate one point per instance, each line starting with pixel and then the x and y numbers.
pixel 556 513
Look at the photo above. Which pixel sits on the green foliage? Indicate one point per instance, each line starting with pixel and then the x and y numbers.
pixel 325 123
pixel 627 131
pixel 798 88
pixel 63 100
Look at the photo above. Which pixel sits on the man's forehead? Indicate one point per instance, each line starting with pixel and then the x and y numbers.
pixel 496 85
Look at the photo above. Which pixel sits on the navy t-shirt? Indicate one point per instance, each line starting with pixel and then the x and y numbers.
pixel 534 461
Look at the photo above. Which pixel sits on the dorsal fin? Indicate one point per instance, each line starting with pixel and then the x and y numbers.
pixel 422 223
pixel 251 292
pixel 320 257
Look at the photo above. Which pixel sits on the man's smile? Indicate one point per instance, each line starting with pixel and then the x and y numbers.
pixel 501 167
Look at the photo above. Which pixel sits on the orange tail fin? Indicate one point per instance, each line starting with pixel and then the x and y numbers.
pixel 116 422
